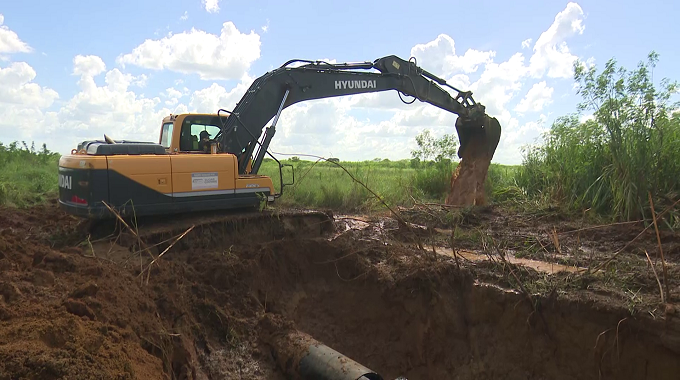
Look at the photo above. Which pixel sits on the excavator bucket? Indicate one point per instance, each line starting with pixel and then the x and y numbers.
pixel 475 136
pixel 478 143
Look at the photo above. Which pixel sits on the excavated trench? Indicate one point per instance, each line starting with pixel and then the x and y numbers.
pixel 398 312
pixel 213 305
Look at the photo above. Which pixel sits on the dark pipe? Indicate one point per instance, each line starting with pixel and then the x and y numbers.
pixel 324 363
pixel 302 357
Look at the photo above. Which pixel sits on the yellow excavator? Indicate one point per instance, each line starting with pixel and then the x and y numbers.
pixel 207 162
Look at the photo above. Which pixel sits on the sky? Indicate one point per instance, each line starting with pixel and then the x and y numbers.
pixel 72 71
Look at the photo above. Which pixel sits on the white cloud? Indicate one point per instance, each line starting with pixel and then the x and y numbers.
pixel 211 6
pixel 211 99
pixel 88 65
pixel 439 56
pixel 173 95
pixel 526 43
pixel 140 81
pixel 551 52
pixel 111 108
pixel 10 41
pixel 532 128
pixel 185 16
pixel 320 127
pixel 17 87
pixel 265 28
pixel 227 56
pixel 22 103
pixel 536 98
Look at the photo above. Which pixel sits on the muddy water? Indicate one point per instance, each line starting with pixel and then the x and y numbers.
pixel 358 223
pixel 538 265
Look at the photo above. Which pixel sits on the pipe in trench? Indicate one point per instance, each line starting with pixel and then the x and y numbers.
pixel 304 358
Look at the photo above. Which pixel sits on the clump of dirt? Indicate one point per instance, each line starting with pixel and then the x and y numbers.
pixel 467 181
pixel 208 307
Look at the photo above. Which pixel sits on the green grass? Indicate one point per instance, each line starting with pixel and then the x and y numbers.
pixel 27 176
pixel 324 184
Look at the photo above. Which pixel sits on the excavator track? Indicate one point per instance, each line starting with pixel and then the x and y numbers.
pixel 214 229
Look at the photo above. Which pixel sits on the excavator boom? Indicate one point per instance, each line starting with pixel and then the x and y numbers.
pixel 290 84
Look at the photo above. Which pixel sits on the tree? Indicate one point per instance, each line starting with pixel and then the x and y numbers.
pixel 445 147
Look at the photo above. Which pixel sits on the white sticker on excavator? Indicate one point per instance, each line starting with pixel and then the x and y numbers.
pixel 203 181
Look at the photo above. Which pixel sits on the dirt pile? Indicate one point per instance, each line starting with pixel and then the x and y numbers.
pixel 206 309
pixel 467 181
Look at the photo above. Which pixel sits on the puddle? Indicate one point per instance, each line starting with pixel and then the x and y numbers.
pixel 354 223
pixel 541 266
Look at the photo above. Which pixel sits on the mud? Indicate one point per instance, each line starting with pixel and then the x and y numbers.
pixel 467 181
pixel 87 308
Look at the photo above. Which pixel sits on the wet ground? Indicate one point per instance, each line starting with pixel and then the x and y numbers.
pixel 493 293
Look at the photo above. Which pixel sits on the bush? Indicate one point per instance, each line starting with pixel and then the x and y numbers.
pixel 27 176
pixel 434 181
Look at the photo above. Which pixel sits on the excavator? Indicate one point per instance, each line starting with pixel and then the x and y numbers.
pixel 207 162
pixel 207 166
pixel 204 168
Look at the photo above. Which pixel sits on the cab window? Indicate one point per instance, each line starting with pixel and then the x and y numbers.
pixel 166 135
pixel 193 131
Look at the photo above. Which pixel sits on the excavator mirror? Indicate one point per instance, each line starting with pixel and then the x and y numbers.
pixel 108 139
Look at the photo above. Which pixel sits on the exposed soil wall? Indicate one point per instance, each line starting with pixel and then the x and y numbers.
pixel 433 321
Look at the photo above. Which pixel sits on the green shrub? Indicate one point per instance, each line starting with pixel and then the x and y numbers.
pixel 27 176
pixel 631 146
pixel 433 182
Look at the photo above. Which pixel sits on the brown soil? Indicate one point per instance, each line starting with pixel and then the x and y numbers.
pixel 467 181
pixel 77 308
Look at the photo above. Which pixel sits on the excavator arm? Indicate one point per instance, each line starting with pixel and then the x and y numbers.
pixel 291 83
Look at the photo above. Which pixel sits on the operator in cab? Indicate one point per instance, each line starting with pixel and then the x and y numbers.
pixel 204 143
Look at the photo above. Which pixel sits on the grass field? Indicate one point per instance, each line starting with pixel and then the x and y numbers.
pixel 325 184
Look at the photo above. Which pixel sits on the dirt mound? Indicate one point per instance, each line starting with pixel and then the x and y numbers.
pixel 65 314
pixel 206 308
